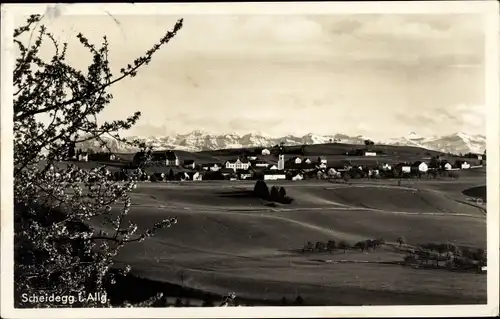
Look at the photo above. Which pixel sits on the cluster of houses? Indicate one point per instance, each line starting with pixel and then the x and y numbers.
pixel 289 167
pixel 272 167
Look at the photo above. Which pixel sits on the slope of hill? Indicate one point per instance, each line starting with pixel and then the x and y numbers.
pixel 201 141
pixel 234 242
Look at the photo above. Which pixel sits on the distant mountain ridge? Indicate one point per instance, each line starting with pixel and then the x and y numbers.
pixel 201 141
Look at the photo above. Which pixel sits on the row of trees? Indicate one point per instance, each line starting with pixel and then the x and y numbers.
pixel 276 194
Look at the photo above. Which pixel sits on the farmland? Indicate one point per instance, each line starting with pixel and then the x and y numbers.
pixel 227 240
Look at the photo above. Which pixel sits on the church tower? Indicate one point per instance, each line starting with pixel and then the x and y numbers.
pixel 281 158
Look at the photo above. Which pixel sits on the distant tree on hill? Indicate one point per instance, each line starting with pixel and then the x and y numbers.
pixel 434 162
pixel 275 193
pixel 361 245
pixel 261 190
pixel 369 142
pixel 331 245
pixel 401 240
pixel 282 192
pixel 72 151
pixel 299 301
pixel 343 245
pixel 320 246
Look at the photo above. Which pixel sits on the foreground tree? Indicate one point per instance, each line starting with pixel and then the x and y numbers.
pixel 69 223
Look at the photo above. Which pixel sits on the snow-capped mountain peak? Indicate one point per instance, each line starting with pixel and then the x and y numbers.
pixel 199 140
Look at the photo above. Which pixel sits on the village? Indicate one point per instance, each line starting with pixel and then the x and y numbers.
pixel 275 164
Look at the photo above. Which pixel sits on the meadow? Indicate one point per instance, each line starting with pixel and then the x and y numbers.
pixel 227 240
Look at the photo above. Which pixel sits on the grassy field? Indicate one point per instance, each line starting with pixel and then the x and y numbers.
pixel 227 240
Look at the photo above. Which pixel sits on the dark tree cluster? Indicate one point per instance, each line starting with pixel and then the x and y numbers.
pixel 276 194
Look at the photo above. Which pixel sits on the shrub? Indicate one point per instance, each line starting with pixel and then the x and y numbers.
pixel 275 194
pixel 331 245
pixel 361 245
pixel 282 192
pixel 346 177
pixel 343 245
pixel 261 190
pixel 401 240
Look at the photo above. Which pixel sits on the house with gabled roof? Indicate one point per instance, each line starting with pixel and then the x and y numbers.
pixel 189 164
pixel 237 164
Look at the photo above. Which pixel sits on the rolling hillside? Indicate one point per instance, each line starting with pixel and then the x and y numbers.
pixel 226 238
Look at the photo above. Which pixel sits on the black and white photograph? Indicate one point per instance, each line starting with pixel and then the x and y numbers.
pixel 285 159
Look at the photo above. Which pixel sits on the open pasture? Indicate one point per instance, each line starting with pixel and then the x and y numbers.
pixel 227 239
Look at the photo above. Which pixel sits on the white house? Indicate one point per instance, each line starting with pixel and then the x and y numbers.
pixel 480 157
pixel 266 152
pixel 406 169
pixel 215 167
pixel 298 177
pixel 423 167
pixel 274 176
pixel 238 164
pixel 447 166
pixel 370 154
pixel 197 176
pixel 190 164
pixel 465 165
pixel 167 158
pixel 386 167
pixel 273 167
pixel 252 158
pixel 296 160
pixel 307 161
pixel 83 157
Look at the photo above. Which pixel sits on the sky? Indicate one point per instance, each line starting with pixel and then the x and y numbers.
pixel 375 75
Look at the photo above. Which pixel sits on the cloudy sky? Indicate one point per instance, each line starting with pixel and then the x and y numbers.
pixel 376 75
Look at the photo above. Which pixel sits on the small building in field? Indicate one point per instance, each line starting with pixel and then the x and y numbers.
pixel 266 152
pixel 252 158
pixel 420 166
pixel 272 167
pixel 446 166
pixel 307 161
pixel 297 176
pixel 212 167
pixel 245 174
pixel 189 164
pixel 183 176
pixel 370 153
pixel 274 175
pixel 262 164
pixel 295 160
pixel 386 167
pixel 83 157
pixel 465 165
pixel 197 176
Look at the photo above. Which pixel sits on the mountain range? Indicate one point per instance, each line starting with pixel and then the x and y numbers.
pixel 201 141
